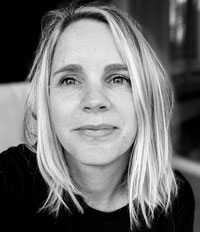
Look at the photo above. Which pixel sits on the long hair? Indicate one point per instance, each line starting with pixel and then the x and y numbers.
pixel 150 179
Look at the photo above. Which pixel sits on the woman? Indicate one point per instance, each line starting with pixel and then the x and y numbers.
pixel 97 153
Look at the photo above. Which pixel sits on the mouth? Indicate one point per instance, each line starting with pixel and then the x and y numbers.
pixel 96 131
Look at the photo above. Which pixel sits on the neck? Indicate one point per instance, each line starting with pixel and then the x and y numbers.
pixel 101 184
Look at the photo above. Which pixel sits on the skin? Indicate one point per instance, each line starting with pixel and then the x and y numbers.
pixel 92 111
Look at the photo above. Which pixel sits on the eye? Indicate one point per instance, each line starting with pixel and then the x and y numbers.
pixel 119 80
pixel 68 81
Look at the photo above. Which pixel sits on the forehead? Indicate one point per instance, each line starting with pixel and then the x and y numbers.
pixel 86 37
pixel 85 29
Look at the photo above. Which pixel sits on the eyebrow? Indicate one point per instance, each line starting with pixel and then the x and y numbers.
pixel 69 68
pixel 116 67
pixel 78 68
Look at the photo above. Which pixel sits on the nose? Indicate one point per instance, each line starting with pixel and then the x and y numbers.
pixel 94 101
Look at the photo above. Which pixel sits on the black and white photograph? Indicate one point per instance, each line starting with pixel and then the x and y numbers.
pixel 100 116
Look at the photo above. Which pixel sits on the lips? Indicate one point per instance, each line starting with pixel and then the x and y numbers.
pixel 97 131
pixel 97 127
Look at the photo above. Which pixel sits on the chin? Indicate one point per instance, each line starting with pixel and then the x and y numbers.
pixel 98 157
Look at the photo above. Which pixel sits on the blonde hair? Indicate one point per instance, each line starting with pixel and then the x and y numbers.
pixel 150 179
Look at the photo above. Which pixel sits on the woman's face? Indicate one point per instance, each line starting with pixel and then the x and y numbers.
pixel 90 97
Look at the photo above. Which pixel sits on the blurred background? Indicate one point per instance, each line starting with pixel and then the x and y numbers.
pixel 173 29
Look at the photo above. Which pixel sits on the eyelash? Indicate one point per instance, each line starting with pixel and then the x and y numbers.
pixel 111 79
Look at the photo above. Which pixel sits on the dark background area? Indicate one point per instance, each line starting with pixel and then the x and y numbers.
pixel 20 33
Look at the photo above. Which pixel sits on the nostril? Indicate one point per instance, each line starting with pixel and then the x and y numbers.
pixel 87 108
pixel 97 108
pixel 102 107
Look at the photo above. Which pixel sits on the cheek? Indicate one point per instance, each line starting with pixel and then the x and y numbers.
pixel 127 113
pixel 61 111
pixel 125 107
